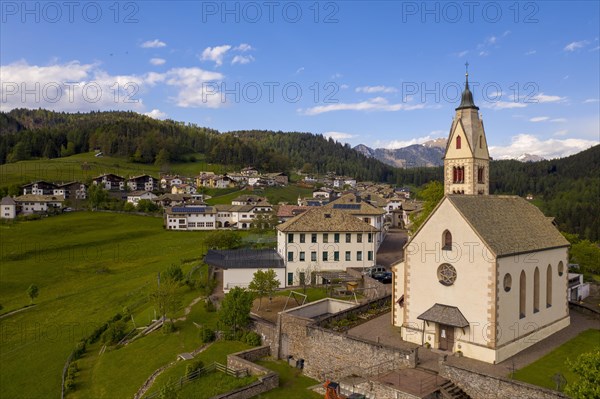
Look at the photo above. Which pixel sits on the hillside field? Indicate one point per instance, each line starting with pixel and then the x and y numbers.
pixel 88 266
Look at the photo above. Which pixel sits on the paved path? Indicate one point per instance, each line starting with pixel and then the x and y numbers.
pixel 381 330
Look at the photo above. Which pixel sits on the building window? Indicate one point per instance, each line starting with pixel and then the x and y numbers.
pixel 302 278
pixel 458 142
pixel 359 237
pixel 336 238
pixel 367 220
pixel 480 141
pixel 302 238
pixel 359 255
pixel 549 286
pixel 290 256
pixel 522 294
pixel 480 174
pixel 313 256
pixel 561 269
pixel 325 237
pixel 458 174
pixel 313 237
pixel 324 256
pixel 290 279
pixel 536 290
pixel 446 274
pixel 370 237
pixel 447 240
pixel 348 256
pixel 348 237
pixel 301 256
pixel 370 255
pixel 507 282
pixel 336 256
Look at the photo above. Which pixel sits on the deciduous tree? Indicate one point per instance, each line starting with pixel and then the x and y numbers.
pixel 264 284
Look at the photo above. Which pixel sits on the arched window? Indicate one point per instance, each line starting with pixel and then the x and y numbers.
pixel 480 174
pixel 454 175
pixel 458 142
pixel 522 294
pixel 480 141
pixel 561 269
pixel 447 240
pixel 536 290
pixel 549 286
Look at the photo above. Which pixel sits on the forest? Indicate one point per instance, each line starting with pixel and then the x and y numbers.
pixel 566 188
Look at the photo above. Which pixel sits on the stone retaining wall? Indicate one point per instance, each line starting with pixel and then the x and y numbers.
pixel 244 360
pixel 483 386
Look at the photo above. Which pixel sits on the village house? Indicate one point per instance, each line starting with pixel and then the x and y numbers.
pixel 72 190
pixel 142 182
pixel 324 239
pixel 484 275
pixel 110 181
pixel 34 203
pixel 8 208
pixel 361 209
pixel 136 196
pixel 286 212
pixel 183 189
pixel 250 200
pixel 40 187
pixel 167 181
pixel 190 217
pixel 238 266
pixel 340 182
pixel 249 171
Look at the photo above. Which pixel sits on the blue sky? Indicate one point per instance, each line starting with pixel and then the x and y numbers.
pixel 385 74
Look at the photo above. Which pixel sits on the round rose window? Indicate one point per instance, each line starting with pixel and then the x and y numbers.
pixel 446 274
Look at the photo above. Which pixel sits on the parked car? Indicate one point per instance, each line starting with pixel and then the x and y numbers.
pixel 67 210
pixel 369 271
pixel 383 277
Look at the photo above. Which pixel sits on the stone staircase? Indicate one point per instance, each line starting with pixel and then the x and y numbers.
pixel 451 391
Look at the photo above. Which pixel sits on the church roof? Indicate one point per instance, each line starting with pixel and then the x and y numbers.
pixel 508 224
pixel 444 314
pixel 467 97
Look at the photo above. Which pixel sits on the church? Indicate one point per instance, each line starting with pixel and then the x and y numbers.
pixel 484 275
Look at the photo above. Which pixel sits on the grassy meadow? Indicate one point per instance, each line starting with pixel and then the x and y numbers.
pixel 88 266
pixel 542 370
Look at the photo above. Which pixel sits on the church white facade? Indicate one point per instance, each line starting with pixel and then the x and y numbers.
pixel 484 275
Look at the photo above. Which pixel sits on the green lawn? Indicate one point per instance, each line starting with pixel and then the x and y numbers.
pixel 88 266
pixel 292 384
pixel 211 384
pixel 288 194
pixel 541 371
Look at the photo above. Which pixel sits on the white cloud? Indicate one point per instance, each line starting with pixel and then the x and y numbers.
pixel 503 105
pixel 344 86
pixel 299 70
pixel 244 47
pixel 157 61
pixel 544 98
pixel 575 45
pixel 336 75
pixel 156 114
pixel 462 53
pixel 242 59
pixel 484 53
pixel 594 49
pixel 376 89
pixel 68 87
pixel 550 148
pixel 197 88
pixel 539 119
pixel 153 44
pixel 531 52
pixel 560 133
pixel 215 54
pixel 558 120
pixel 339 136
pixel 374 104
pixel 591 100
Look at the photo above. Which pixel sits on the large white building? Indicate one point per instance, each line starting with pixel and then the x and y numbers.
pixel 484 275
pixel 324 239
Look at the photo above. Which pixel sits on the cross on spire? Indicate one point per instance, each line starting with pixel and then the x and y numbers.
pixel 467 68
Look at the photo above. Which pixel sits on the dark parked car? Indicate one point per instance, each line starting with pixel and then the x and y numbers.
pixel 383 277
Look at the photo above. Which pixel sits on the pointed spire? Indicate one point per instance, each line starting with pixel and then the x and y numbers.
pixel 467 97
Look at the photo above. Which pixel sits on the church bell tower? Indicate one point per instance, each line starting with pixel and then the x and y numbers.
pixel 467 160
